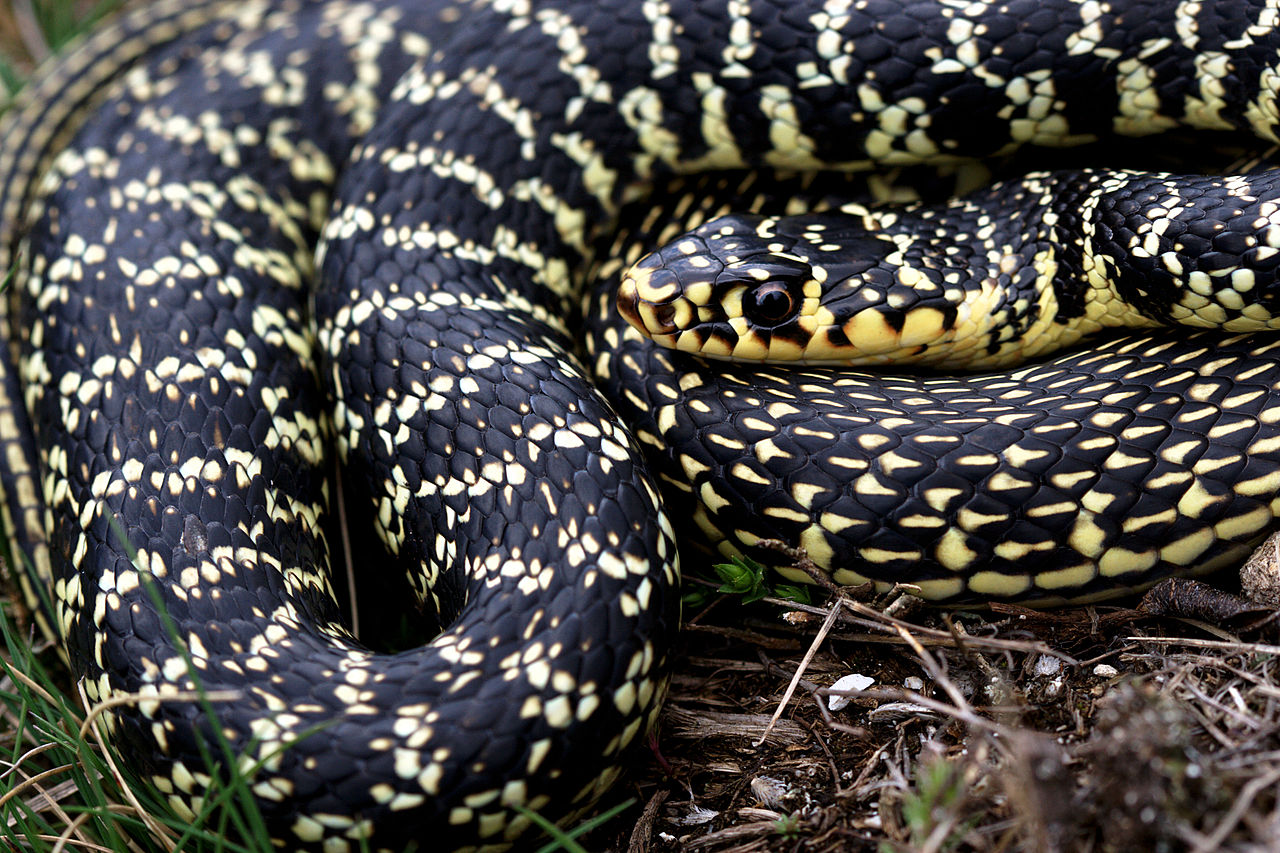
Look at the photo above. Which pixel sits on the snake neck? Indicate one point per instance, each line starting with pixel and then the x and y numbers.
pixel 1199 251
pixel 1018 270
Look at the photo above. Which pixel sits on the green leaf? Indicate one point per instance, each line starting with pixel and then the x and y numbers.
pixel 742 576
pixel 695 597
pixel 799 593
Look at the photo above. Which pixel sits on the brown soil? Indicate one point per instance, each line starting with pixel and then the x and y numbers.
pixel 1098 728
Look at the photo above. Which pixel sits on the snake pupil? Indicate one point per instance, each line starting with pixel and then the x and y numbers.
pixel 769 304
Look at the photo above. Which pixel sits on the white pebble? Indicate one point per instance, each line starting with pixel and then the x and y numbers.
pixel 848 682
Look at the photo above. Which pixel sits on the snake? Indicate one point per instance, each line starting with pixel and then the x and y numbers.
pixel 1092 472
pixel 260 248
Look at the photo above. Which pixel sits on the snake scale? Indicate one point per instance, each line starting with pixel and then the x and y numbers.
pixel 256 241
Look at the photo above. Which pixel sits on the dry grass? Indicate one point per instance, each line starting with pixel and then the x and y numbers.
pixel 1088 729
pixel 31 31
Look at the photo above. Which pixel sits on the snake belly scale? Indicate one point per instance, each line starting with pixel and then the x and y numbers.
pixel 183 362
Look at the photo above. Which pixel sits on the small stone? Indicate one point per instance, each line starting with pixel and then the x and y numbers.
pixel 1104 670
pixel 848 682
pixel 1260 574
pixel 914 682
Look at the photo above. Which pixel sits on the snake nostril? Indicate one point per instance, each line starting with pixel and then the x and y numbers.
pixel 664 317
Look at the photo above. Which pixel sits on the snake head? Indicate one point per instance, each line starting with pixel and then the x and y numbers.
pixel 811 289
pixel 723 291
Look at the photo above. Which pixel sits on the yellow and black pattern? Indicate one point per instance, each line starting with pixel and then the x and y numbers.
pixel 1005 274
pixel 172 379
pixel 249 232
pixel 1079 478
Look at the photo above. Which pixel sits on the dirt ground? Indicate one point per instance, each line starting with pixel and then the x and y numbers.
pixel 1095 728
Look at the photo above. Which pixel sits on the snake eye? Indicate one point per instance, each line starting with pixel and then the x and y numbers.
pixel 769 303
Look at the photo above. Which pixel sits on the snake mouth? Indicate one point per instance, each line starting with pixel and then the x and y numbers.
pixel 652 319
pixel 664 318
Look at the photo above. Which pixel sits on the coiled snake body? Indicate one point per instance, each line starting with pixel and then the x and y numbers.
pixel 179 358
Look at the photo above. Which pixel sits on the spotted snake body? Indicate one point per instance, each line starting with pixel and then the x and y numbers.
pixel 180 360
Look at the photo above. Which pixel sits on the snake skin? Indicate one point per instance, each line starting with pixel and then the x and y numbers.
pixel 1022 269
pixel 183 371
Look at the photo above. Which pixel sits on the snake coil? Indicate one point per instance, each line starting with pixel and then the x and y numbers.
pixel 250 234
